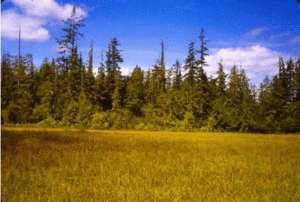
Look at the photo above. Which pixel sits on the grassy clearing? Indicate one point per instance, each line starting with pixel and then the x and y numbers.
pixel 58 165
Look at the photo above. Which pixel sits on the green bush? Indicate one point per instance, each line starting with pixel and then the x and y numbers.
pixel 98 121
pixel 41 112
pixel 48 123
pixel 210 125
pixel 140 126
pixel 188 122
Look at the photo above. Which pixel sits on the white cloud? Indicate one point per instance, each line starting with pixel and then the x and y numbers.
pixel 125 71
pixel 34 15
pixel 256 60
pixel 49 8
pixel 31 27
pixel 255 32
pixel 295 39
pixel 273 37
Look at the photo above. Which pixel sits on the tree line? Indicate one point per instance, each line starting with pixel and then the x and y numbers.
pixel 64 92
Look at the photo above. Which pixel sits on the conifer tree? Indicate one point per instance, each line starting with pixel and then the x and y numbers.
pixel 113 77
pixel 149 88
pixel 297 82
pixel 177 79
pixel 297 92
pixel 44 92
pixel 290 73
pixel 68 42
pixel 155 85
pixel 89 80
pixel 100 87
pixel 202 99
pixel 21 109
pixel 7 80
pixel 84 114
pixel 221 79
pixel 234 101
pixel 162 70
pixel 70 64
pixel 190 66
pixel 169 73
pixel 135 91
pixel 202 51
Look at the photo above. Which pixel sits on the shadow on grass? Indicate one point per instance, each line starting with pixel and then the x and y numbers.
pixel 10 139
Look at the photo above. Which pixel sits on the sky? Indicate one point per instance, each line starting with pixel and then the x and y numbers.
pixel 251 34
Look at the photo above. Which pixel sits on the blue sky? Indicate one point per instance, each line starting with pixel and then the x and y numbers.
pixel 250 33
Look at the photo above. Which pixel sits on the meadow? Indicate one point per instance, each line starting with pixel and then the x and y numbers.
pixel 74 165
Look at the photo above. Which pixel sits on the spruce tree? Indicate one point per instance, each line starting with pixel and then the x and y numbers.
pixel 70 64
pixel 162 70
pixel 113 78
pixel 89 80
pixel 99 86
pixel 135 91
pixel 177 79
pixel 201 63
pixel 297 81
pixel 190 66
pixel 221 79
pixel 202 95
pixel 67 44
pixel 7 80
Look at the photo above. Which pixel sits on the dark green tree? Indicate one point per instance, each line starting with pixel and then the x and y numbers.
pixel 71 65
pixel 201 63
pixel 190 66
pixel 135 92
pixel 113 76
pixel 67 44
pixel 89 80
pixel 177 79
pixel 221 80
pixel 8 86
pixel 162 69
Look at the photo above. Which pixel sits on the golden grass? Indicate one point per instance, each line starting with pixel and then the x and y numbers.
pixel 66 165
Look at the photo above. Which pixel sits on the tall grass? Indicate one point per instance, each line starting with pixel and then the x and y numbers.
pixel 148 166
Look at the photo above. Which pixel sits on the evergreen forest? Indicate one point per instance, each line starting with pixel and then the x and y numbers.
pixel 64 92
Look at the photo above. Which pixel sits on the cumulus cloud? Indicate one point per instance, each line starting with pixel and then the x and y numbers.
pixel 125 71
pixel 255 32
pixel 33 16
pixel 31 27
pixel 256 60
pixel 43 8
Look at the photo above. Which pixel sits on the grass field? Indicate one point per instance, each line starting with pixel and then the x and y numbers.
pixel 64 165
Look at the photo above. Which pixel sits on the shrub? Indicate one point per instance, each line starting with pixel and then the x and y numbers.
pixel 210 124
pixel 188 122
pixel 48 123
pixel 98 121
pixel 140 126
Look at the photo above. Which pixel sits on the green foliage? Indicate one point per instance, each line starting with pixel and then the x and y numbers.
pixel 65 92
pixel 190 65
pixel 188 122
pixel 122 119
pixel 85 111
pixel 210 125
pixel 100 121
pixel 48 123
pixel 14 113
pixel 70 114
pixel 41 112
pixel 135 93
